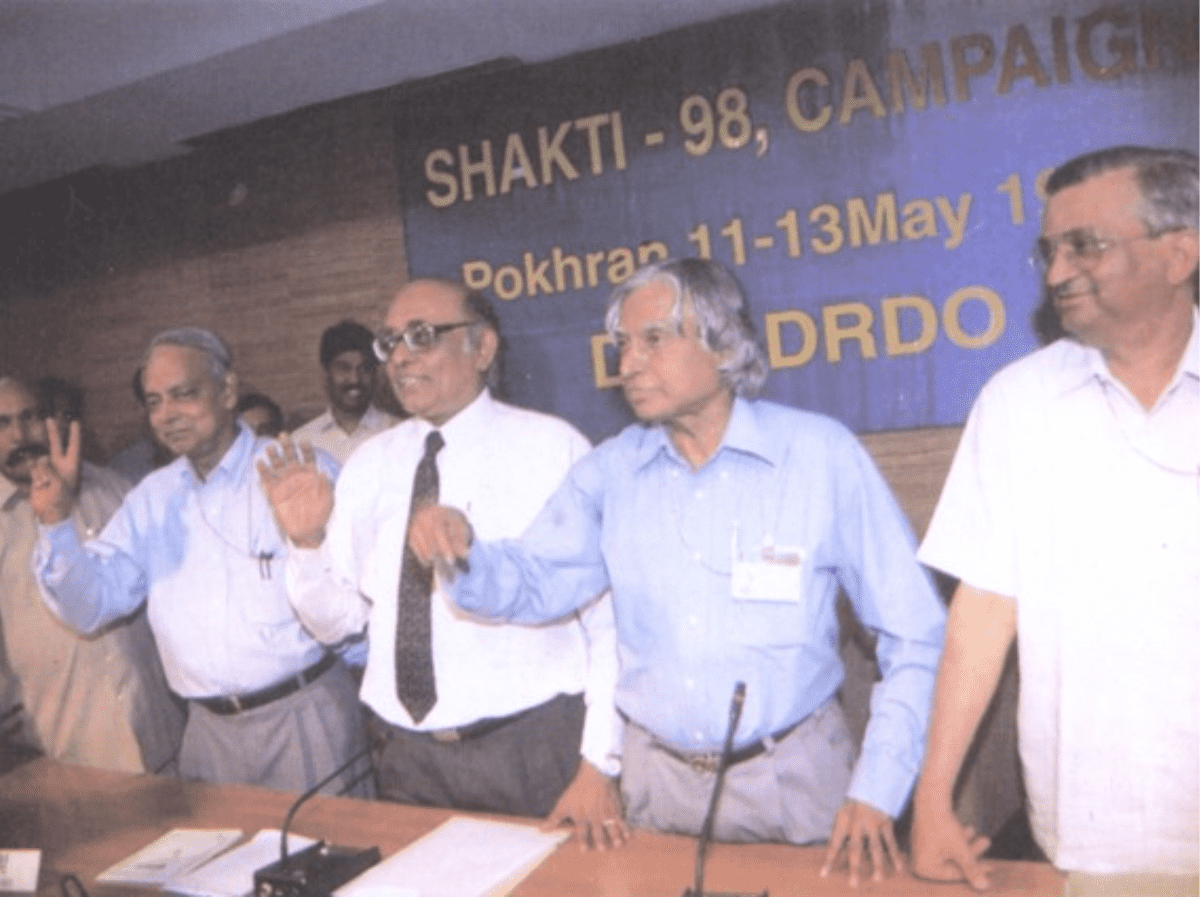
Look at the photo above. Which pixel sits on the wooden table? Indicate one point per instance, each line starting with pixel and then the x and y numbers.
pixel 84 820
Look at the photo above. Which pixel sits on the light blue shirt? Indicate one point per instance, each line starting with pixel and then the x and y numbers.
pixel 208 558
pixel 633 516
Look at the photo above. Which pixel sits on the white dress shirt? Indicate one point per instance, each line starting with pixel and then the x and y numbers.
pixel 1069 496
pixel 326 434
pixel 499 465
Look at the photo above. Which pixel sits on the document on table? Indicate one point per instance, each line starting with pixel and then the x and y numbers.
pixel 19 871
pixel 232 874
pixel 463 857
pixel 177 851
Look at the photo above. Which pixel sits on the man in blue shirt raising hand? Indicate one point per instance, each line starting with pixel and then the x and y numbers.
pixel 724 527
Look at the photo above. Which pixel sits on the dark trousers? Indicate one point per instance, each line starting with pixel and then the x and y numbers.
pixel 519 768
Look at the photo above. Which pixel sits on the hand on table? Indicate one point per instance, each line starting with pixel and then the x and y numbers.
pixel 943 849
pixel 591 804
pixel 857 825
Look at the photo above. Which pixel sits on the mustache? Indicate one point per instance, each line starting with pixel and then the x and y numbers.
pixel 26 453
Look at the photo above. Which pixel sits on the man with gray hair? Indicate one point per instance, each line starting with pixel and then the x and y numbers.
pixel 725 527
pixel 1072 517
pixel 196 541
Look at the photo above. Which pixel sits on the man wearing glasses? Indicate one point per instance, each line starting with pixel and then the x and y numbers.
pixel 1072 517
pixel 469 715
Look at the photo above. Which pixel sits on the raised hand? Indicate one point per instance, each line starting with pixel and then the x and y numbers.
pixel 54 480
pixel 299 493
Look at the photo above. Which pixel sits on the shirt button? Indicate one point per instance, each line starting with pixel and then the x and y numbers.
pixel 689 683
pixel 698 735
pixel 692 620
pixel 699 495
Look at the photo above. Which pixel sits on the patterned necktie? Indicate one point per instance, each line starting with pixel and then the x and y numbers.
pixel 414 653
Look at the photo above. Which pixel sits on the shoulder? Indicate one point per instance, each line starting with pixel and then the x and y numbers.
pixel 1050 368
pixel 789 430
pixel 312 427
pixel 532 424
pixel 381 449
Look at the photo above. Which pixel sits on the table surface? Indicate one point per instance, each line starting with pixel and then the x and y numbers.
pixel 84 820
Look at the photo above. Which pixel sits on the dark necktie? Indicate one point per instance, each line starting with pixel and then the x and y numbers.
pixel 414 653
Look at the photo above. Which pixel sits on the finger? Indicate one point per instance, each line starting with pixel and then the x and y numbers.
pixel 265 472
pixel 875 850
pixel 836 840
pixel 854 857
pixel 893 850
pixel 56 447
pixel 307 455
pixel 615 832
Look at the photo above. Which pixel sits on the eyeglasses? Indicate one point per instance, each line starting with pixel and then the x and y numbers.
pixel 416 336
pixel 1083 247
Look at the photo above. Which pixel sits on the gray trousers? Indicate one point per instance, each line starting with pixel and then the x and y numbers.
pixel 287 745
pixel 788 794
pixel 519 768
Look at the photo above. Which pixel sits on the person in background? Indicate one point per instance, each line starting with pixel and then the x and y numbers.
pixel 350 370
pixel 98 701
pixel 196 542
pixel 725 527
pixel 1072 517
pixel 261 414
pixel 467 714
pixel 142 457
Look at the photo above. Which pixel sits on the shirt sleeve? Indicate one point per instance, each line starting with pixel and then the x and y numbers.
pixel 322 582
pixel 89 586
pixel 602 726
pixel 972 533
pixel 556 566
pixel 895 600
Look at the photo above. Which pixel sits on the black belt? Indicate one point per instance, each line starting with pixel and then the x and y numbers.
pixel 236 703
pixel 708 762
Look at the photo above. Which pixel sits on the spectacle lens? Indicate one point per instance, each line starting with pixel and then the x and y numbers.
pixel 416 336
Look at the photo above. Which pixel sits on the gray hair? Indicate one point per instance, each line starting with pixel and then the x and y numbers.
pixel 1166 179
pixel 719 306
pixel 220 359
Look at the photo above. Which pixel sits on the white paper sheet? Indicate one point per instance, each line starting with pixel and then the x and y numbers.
pixel 463 857
pixel 19 871
pixel 177 851
pixel 232 874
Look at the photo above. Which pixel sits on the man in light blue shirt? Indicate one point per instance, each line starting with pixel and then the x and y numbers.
pixel 725 528
pixel 197 542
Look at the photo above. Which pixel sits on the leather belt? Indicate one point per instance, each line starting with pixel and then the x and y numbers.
pixel 707 763
pixel 237 703
pixel 478 728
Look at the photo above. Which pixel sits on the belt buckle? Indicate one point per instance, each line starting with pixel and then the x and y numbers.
pixel 704 763
pixel 445 735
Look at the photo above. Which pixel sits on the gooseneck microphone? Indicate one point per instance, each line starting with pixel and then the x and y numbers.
pixel 320 869
pixel 735 714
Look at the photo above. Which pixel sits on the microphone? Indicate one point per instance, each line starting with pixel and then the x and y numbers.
pixel 735 714
pixel 318 870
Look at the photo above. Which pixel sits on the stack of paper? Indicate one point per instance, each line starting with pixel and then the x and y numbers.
pixel 461 858
pixel 173 854
pixel 232 874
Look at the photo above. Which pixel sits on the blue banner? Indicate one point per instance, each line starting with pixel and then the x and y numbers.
pixel 870 171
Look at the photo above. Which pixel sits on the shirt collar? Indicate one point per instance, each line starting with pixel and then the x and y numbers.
pixel 10 494
pixel 370 419
pixel 466 427
pixel 234 463
pixel 1081 363
pixel 744 434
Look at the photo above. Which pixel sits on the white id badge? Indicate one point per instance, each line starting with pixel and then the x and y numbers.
pixel 775 576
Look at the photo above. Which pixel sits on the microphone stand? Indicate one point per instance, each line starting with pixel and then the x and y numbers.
pixel 735 714
pixel 320 869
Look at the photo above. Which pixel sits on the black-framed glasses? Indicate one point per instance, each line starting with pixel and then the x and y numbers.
pixel 1082 246
pixel 416 336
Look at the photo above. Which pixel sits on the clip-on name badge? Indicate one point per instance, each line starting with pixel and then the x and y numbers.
pixel 775 576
